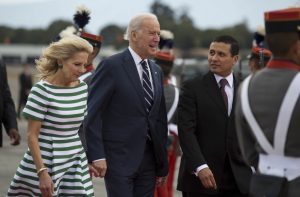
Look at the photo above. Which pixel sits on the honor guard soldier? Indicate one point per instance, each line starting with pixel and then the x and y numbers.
pixel 165 59
pixel 81 19
pixel 268 111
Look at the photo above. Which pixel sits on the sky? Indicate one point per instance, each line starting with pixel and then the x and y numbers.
pixel 204 13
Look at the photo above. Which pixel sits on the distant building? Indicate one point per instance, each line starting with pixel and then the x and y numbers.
pixel 16 54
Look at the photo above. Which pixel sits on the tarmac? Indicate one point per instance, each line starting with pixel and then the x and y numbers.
pixel 12 155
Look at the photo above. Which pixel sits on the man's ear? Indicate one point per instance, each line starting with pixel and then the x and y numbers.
pixel 236 58
pixel 133 35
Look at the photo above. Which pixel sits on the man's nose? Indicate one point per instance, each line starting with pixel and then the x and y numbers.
pixel 215 57
pixel 157 37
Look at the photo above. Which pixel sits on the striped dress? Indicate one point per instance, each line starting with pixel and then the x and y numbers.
pixel 61 111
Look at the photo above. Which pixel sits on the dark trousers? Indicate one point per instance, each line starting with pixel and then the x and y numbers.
pixel 139 184
pixel 22 103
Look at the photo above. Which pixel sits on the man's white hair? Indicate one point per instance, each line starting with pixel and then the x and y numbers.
pixel 136 22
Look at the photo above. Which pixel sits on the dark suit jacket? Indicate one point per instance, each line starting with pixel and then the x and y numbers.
pixel 207 135
pixel 117 123
pixel 7 107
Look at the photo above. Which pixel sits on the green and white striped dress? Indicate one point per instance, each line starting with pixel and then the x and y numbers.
pixel 61 111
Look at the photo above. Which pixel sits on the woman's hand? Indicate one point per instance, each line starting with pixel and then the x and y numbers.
pixel 46 184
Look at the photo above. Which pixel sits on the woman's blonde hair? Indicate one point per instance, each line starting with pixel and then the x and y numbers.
pixel 63 49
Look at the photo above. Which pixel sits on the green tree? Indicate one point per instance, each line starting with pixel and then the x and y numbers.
pixel 162 11
pixel 6 33
pixel 182 26
pixel 186 33
pixel 54 29
pixel 239 31
pixel 113 35
pixel 165 15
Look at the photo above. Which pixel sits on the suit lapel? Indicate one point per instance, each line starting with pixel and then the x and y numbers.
pixel 130 68
pixel 214 91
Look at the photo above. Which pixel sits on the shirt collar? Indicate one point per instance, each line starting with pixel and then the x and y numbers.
pixel 229 78
pixel 137 59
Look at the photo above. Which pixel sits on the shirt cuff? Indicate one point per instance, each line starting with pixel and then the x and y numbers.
pixel 99 160
pixel 200 168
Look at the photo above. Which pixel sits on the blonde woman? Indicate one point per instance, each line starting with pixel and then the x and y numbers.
pixel 55 163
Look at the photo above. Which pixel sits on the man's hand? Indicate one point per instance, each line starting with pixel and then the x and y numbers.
pixel 14 137
pixel 207 178
pixel 101 167
pixel 93 172
pixel 160 181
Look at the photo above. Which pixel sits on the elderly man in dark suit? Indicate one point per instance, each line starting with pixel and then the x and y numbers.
pixel 8 116
pixel 126 125
pixel 211 164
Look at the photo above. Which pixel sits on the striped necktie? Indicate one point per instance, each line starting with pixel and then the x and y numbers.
pixel 148 92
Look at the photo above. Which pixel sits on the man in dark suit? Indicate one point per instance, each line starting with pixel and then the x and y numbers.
pixel 8 116
pixel 211 164
pixel 126 125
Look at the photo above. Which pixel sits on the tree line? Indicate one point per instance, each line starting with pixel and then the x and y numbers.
pixel 187 35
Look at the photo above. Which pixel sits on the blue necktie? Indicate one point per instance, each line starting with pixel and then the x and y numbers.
pixel 148 92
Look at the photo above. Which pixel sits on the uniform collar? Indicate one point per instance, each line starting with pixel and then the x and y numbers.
pixel 283 64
